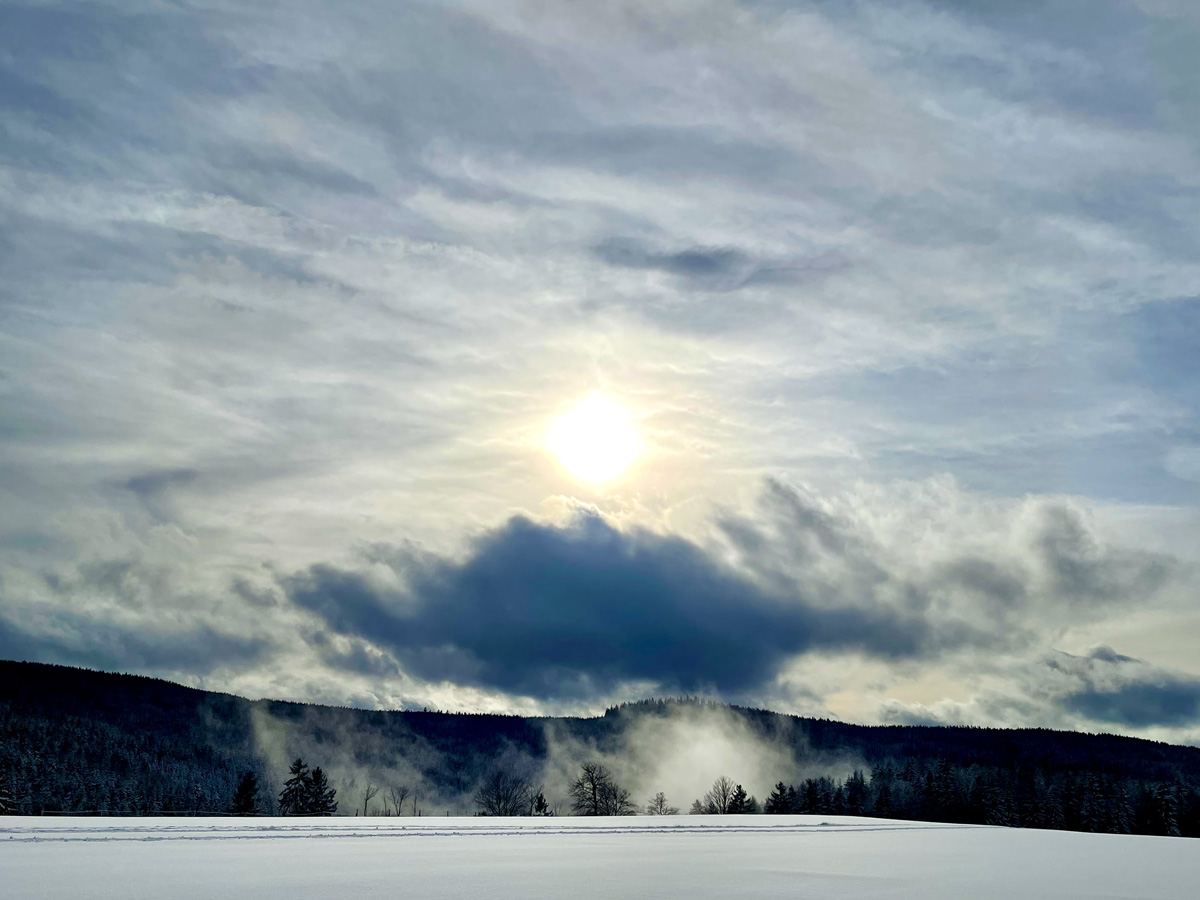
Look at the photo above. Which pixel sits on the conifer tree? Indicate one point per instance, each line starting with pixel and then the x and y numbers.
pixel 1054 816
pixel 777 801
pixel 738 803
pixel 1091 810
pixel 245 798
pixel 812 802
pixel 1165 811
pixel 837 801
pixel 1189 812
pixel 856 794
pixel 297 790
pixel 321 797
pixel 997 805
pixel 1119 809
pixel 883 801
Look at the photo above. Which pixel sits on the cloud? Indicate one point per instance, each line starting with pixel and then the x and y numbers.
pixel 1102 690
pixel 718 268
pixel 551 611
pixel 110 596
pixel 1121 690
pixel 1008 570
pixel 582 609
pixel 1167 700
pixel 70 638
pixel 283 281
pixel 698 264
pixel 154 490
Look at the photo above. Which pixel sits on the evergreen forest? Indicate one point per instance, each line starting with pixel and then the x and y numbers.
pixel 75 741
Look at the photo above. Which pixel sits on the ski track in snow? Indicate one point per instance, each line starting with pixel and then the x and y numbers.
pixel 183 832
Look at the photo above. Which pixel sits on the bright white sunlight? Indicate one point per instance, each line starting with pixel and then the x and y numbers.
pixel 544 450
pixel 595 441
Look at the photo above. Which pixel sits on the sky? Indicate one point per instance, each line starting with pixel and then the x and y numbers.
pixel 901 300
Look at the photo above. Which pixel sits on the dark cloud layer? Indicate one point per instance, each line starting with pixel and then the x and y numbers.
pixel 581 609
pixel 1172 702
pixel 1100 691
pixel 547 611
pixel 1121 690
pixel 81 640
pixel 153 489
pixel 718 269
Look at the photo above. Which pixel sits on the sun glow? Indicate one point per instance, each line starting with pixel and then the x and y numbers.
pixel 595 441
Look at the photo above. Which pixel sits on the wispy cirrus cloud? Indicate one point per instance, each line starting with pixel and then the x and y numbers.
pixel 281 281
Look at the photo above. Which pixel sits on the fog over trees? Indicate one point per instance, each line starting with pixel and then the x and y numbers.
pixel 307 793
pixel 658 806
pixel 595 793
pixel 81 742
pixel 505 793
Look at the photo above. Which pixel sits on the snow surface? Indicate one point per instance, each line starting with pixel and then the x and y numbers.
pixel 690 857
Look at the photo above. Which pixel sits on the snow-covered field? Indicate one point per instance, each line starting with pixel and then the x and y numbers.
pixel 677 857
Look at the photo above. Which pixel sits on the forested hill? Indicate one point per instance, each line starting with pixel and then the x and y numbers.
pixel 81 741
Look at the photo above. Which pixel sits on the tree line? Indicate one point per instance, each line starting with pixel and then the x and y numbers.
pixel 308 793
pixel 86 742
pixel 940 791
pixel 937 791
pixel 725 798
pixel 593 792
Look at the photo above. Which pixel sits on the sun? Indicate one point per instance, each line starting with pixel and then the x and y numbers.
pixel 595 441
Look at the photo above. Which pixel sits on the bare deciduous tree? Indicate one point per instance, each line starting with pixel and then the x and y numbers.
pixel 719 800
pixel 504 793
pixel 595 793
pixel 399 795
pixel 368 794
pixel 587 789
pixel 658 806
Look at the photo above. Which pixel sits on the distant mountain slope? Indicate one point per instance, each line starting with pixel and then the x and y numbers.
pixel 78 740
